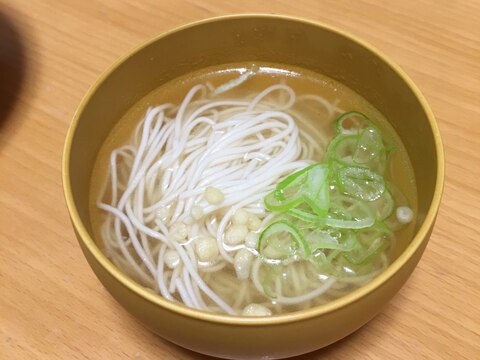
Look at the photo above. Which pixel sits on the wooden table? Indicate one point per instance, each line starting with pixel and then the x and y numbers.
pixel 51 51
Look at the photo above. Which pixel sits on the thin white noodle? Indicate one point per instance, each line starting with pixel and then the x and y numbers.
pixel 241 148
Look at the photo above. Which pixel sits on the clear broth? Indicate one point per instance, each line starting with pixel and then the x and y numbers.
pixel 302 81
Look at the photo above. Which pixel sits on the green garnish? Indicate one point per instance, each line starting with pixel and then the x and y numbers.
pixel 335 214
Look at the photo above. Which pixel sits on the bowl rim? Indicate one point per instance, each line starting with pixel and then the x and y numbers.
pixel 139 290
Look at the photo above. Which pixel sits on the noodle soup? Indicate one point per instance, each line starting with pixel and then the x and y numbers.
pixel 203 191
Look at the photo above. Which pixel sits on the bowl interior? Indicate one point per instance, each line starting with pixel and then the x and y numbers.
pixel 252 38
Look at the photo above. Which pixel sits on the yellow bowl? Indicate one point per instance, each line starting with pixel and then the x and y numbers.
pixel 276 39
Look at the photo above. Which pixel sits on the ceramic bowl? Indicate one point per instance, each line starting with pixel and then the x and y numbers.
pixel 270 38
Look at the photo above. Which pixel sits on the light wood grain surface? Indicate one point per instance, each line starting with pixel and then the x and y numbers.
pixel 51 51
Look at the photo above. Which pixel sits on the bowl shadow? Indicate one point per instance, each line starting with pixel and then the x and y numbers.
pixel 324 353
pixel 13 67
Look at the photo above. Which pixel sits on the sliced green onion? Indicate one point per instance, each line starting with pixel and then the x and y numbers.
pixel 308 185
pixel 384 206
pixel 362 149
pixel 361 183
pixel 352 122
pixel 277 202
pixel 342 148
pixel 360 255
pixel 291 178
pixel 294 240
pixel 345 207
pixel 315 191
pixel 369 145
pixel 330 239
pixel 349 224
pixel 288 193
pixel 370 243
pixel 304 215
